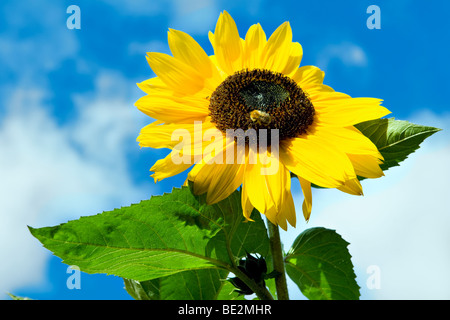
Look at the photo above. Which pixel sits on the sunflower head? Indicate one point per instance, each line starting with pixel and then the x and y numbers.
pixel 261 99
pixel 254 86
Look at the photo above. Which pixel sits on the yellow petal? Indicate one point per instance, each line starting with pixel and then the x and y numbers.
pixel 348 140
pixel 165 168
pixel 175 74
pixel 314 90
pixel 187 50
pixel 215 176
pixel 268 187
pixel 256 188
pixel 221 180
pixel 307 201
pixel 321 94
pixel 317 160
pixel 222 74
pixel 278 49
pixel 169 110
pixel 184 154
pixel 287 212
pixel 366 166
pixel 153 85
pixel 227 44
pixel 307 76
pixel 211 154
pixel 247 207
pixel 352 186
pixel 271 214
pixel 211 38
pixel 157 88
pixel 255 40
pixel 333 109
pixel 157 135
pixel 295 57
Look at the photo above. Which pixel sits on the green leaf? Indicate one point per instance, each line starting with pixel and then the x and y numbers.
pixel 141 290
pixel 320 264
pixel 206 284
pixel 395 139
pixel 163 236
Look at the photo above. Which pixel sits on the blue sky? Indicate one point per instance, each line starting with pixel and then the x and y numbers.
pixel 68 128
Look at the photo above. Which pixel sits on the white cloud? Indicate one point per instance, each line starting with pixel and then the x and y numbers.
pixel 31 55
pixel 140 7
pixel 141 48
pixel 347 53
pixel 400 225
pixel 51 174
pixel 194 17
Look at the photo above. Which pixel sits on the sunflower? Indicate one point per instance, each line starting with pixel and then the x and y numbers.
pixel 284 121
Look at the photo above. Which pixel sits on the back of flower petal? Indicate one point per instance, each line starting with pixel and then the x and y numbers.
pixel 366 165
pixel 352 187
pixel 287 212
pixel 247 206
pixel 307 195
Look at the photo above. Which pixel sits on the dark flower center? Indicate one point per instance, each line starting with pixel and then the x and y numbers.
pixel 261 99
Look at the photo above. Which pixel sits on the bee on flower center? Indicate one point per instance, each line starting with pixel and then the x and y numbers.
pixel 261 118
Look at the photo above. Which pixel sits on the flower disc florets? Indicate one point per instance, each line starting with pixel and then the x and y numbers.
pixel 261 99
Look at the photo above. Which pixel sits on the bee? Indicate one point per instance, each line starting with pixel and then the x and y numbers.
pixel 260 117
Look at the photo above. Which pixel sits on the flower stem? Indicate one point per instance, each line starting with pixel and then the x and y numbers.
pixel 278 261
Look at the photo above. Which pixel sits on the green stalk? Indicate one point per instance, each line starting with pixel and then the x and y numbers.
pixel 278 261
